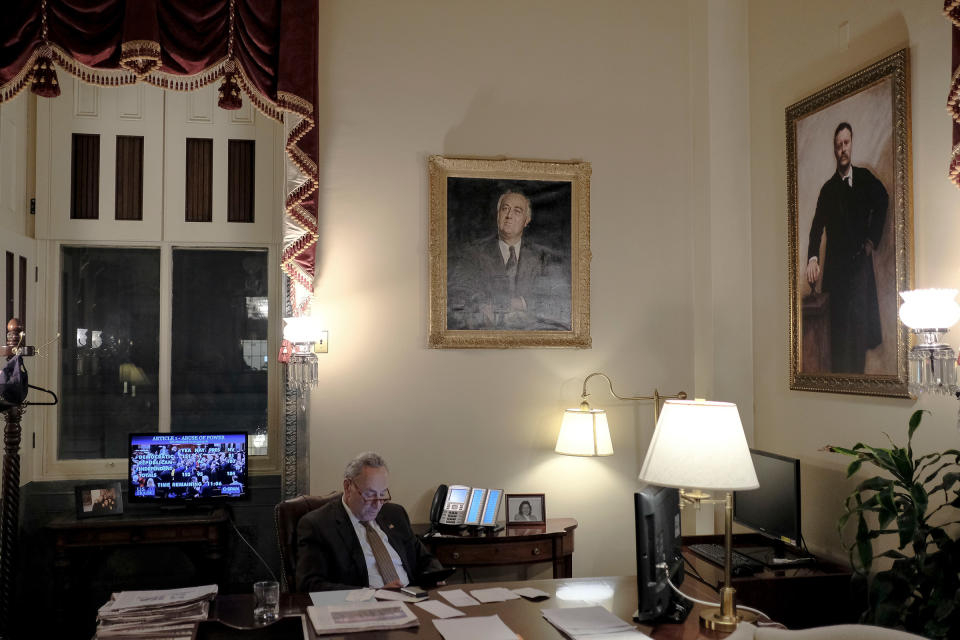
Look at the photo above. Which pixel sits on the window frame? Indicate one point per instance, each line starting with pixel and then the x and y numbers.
pixel 47 368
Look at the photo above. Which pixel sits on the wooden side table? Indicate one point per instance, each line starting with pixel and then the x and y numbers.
pixel 78 543
pixel 799 596
pixel 511 546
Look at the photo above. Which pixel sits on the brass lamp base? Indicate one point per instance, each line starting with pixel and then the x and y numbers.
pixel 714 620
pixel 726 617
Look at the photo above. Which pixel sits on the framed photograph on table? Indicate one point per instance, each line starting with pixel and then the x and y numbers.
pixel 850 232
pixel 509 253
pixel 526 509
pixel 104 499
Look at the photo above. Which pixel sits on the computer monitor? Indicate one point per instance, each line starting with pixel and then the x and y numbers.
pixel 657 516
pixel 774 508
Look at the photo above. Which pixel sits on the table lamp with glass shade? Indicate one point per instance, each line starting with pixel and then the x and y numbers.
pixel 700 446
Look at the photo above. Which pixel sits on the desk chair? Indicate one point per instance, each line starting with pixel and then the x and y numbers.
pixel 286 516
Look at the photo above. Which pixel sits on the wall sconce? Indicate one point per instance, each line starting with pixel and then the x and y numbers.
pixel 933 366
pixel 302 341
pixel 585 432
pixel 700 446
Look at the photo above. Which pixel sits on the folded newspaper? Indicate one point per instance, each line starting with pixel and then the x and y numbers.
pixel 165 613
pixel 361 616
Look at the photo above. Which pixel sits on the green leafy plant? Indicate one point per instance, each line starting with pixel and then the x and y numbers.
pixel 920 592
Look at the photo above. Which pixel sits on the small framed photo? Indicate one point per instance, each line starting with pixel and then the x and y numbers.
pixel 104 499
pixel 526 509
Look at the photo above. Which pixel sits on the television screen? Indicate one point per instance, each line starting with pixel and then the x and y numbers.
pixel 168 467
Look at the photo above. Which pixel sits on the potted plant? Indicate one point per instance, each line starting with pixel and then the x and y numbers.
pixel 916 500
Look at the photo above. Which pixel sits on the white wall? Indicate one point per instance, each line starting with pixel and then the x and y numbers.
pixel 608 83
pixel 797 49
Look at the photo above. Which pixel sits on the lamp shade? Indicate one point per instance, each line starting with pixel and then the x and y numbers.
pixel 584 432
pixel 699 445
pixel 929 308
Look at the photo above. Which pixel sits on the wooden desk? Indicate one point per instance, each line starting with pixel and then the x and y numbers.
pixel 799 597
pixel 511 546
pixel 618 594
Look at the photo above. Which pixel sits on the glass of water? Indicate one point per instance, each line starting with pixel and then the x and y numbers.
pixel 266 601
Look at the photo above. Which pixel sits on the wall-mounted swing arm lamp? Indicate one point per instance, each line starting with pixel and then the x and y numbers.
pixel 585 432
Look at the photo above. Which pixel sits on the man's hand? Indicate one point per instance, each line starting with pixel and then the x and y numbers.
pixel 396 584
pixel 813 271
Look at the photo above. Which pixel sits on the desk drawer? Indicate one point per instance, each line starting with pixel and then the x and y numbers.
pixel 454 555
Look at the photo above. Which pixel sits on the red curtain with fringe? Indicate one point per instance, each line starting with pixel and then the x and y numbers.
pixel 951 9
pixel 265 50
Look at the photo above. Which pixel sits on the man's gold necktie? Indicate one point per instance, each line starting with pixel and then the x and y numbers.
pixel 384 564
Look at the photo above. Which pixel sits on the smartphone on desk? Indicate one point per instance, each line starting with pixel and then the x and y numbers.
pixel 413 591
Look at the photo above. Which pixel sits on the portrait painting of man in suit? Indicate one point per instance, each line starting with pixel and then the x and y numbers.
pixel 508 254
pixel 850 232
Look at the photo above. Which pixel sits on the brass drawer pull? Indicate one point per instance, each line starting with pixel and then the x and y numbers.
pixel 536 551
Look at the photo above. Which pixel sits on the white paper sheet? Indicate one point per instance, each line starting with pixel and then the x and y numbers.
pixel 530 592
pixel 360 595
pixel 474 628
pixel 439 609
pixel 579 621
pixel 458 598
pixel 616 635
pixel 494 594
pixel 326 598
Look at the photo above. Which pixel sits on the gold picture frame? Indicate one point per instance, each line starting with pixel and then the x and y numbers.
pixel 476 300
pixel 845 336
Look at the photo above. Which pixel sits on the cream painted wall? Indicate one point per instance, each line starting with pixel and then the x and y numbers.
pixel 607 83
pixel 795 50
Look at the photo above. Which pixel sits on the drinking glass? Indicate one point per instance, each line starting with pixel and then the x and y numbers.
pixel 266 601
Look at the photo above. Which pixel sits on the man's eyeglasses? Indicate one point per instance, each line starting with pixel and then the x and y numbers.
pixel 372 496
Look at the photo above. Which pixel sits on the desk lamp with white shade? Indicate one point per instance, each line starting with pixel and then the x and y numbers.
pixel 699 446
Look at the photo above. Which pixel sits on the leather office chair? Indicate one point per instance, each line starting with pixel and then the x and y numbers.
pixel 286 516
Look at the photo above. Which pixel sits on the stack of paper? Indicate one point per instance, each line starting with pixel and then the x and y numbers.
pixel 590 623
pixel 143 615
pixel 361 616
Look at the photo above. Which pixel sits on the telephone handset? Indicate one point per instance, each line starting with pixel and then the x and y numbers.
pixel 454 505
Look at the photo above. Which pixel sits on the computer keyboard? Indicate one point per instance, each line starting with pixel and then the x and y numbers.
pixel 741 565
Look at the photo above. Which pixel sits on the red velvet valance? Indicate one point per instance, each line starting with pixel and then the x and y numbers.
pixel 263 49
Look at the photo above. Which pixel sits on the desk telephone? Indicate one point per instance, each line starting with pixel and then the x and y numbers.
pixel 459 506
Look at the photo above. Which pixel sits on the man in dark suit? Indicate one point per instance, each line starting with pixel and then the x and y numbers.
pixel 362 539
pixel 852 208
pixel 505 282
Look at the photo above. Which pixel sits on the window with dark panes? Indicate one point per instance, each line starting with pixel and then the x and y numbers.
pixel 219 342
pixel 110 310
